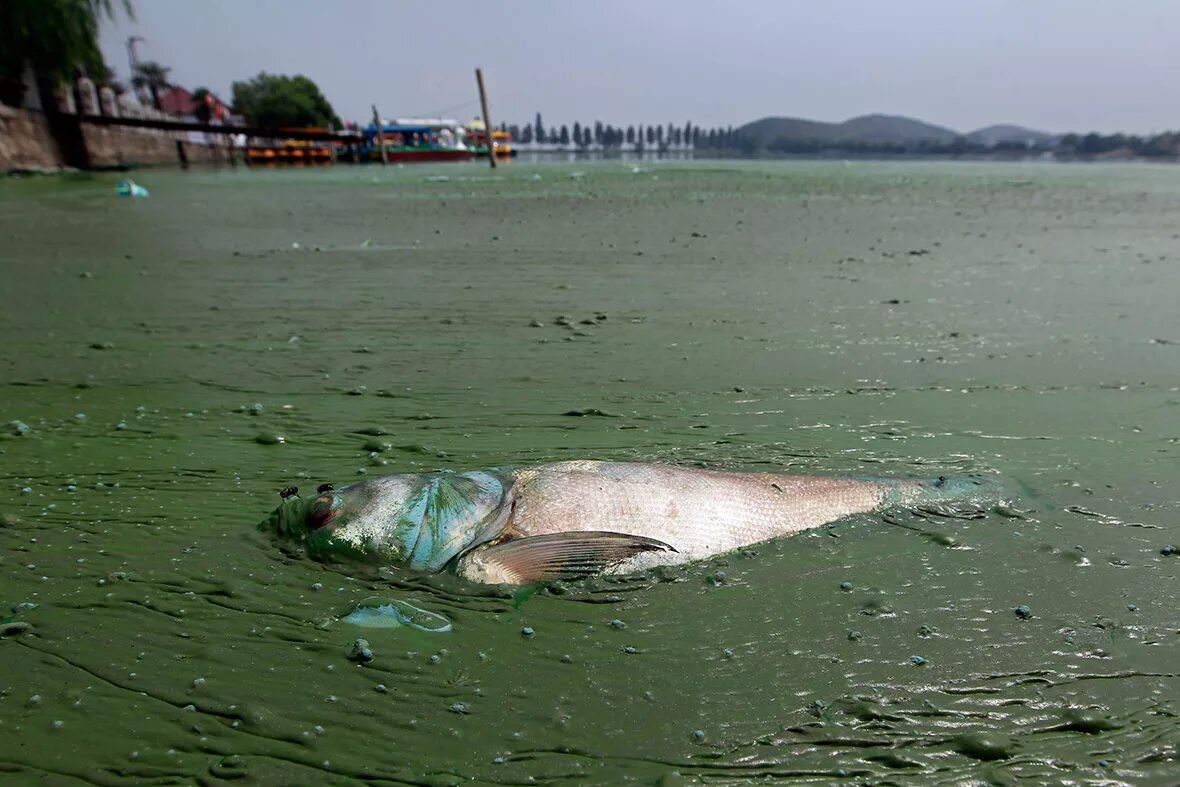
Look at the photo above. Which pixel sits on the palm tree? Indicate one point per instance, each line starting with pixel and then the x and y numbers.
pixel 153 77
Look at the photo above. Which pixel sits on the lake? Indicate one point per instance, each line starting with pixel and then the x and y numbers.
pixel 170 363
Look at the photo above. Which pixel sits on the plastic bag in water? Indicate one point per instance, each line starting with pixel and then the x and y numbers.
pixel 129 188
pixel 392 613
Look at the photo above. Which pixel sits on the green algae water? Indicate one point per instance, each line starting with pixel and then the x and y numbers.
pixel 169 364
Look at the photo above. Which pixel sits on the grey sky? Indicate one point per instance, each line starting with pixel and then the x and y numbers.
pixel 1057 65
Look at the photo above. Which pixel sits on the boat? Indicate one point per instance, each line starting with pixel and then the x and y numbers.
pixel 477 135
pixel 291 151
pixel 415 139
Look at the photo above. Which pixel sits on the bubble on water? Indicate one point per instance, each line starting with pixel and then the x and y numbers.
pixel 982 746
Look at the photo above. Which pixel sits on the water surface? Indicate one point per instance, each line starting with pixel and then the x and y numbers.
pixel 178 360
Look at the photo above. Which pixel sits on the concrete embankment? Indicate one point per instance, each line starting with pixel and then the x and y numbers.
pixel 28 144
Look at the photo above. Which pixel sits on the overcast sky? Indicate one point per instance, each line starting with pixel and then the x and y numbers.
pixel 1055 65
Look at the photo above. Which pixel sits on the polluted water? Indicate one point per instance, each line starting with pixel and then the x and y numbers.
pixel 169 366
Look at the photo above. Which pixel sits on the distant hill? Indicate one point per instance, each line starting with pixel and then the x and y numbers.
pixel 891 128
pixel 868 129
pixel 1006 132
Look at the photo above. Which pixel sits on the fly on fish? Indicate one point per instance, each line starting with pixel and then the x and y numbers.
pixel 569 520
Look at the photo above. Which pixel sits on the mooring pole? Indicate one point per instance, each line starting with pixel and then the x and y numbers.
pixel 487 120
pixel 380 135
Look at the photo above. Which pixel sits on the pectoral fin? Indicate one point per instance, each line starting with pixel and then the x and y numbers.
pixel 572 555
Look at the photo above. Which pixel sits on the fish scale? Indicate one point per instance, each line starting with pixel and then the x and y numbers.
pixel 698 512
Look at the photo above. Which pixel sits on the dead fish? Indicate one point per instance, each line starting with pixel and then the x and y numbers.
pixel 568 520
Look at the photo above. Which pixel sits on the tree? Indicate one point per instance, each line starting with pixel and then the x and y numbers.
pixel 587 140
pixel 631 135
pixel 688 133
pixel 651 135
pixel 565 135
pixel 56 39
pixel 577 133
pixel 660 136
pixel 539 129
pixel 275 101
pixel 152 77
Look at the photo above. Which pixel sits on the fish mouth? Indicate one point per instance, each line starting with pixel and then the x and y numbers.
pixel 298 517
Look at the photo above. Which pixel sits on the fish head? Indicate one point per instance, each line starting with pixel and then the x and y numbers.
pixel 420 521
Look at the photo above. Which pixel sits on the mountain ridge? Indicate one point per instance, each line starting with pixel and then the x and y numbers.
pixel 880 129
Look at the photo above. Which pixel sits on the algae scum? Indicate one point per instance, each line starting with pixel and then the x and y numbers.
pixel 174 361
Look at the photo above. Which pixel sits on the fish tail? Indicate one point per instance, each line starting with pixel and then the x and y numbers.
pixel 968 488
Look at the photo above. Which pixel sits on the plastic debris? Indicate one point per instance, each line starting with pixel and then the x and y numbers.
pixel 129 188
pixel 392 613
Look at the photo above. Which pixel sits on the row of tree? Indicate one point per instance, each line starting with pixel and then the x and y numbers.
pixel 607 136
pixel 1068 146
pixel 1159 145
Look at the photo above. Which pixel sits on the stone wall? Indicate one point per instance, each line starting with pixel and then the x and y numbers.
pixel 112 146
pixel 26 144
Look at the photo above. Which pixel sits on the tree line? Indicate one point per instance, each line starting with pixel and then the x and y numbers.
pixel 655 136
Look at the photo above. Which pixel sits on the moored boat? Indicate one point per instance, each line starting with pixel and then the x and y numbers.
pixel 477 136
pixel 416 140
pixel 290 151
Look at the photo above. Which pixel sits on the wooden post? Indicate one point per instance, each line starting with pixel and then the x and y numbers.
pixel 487 120
pixel 380 135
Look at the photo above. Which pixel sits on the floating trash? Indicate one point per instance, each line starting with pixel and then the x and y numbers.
pixel 129 188
pixel 392 613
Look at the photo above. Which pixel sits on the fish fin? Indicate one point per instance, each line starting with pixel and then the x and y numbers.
pixel 572 555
